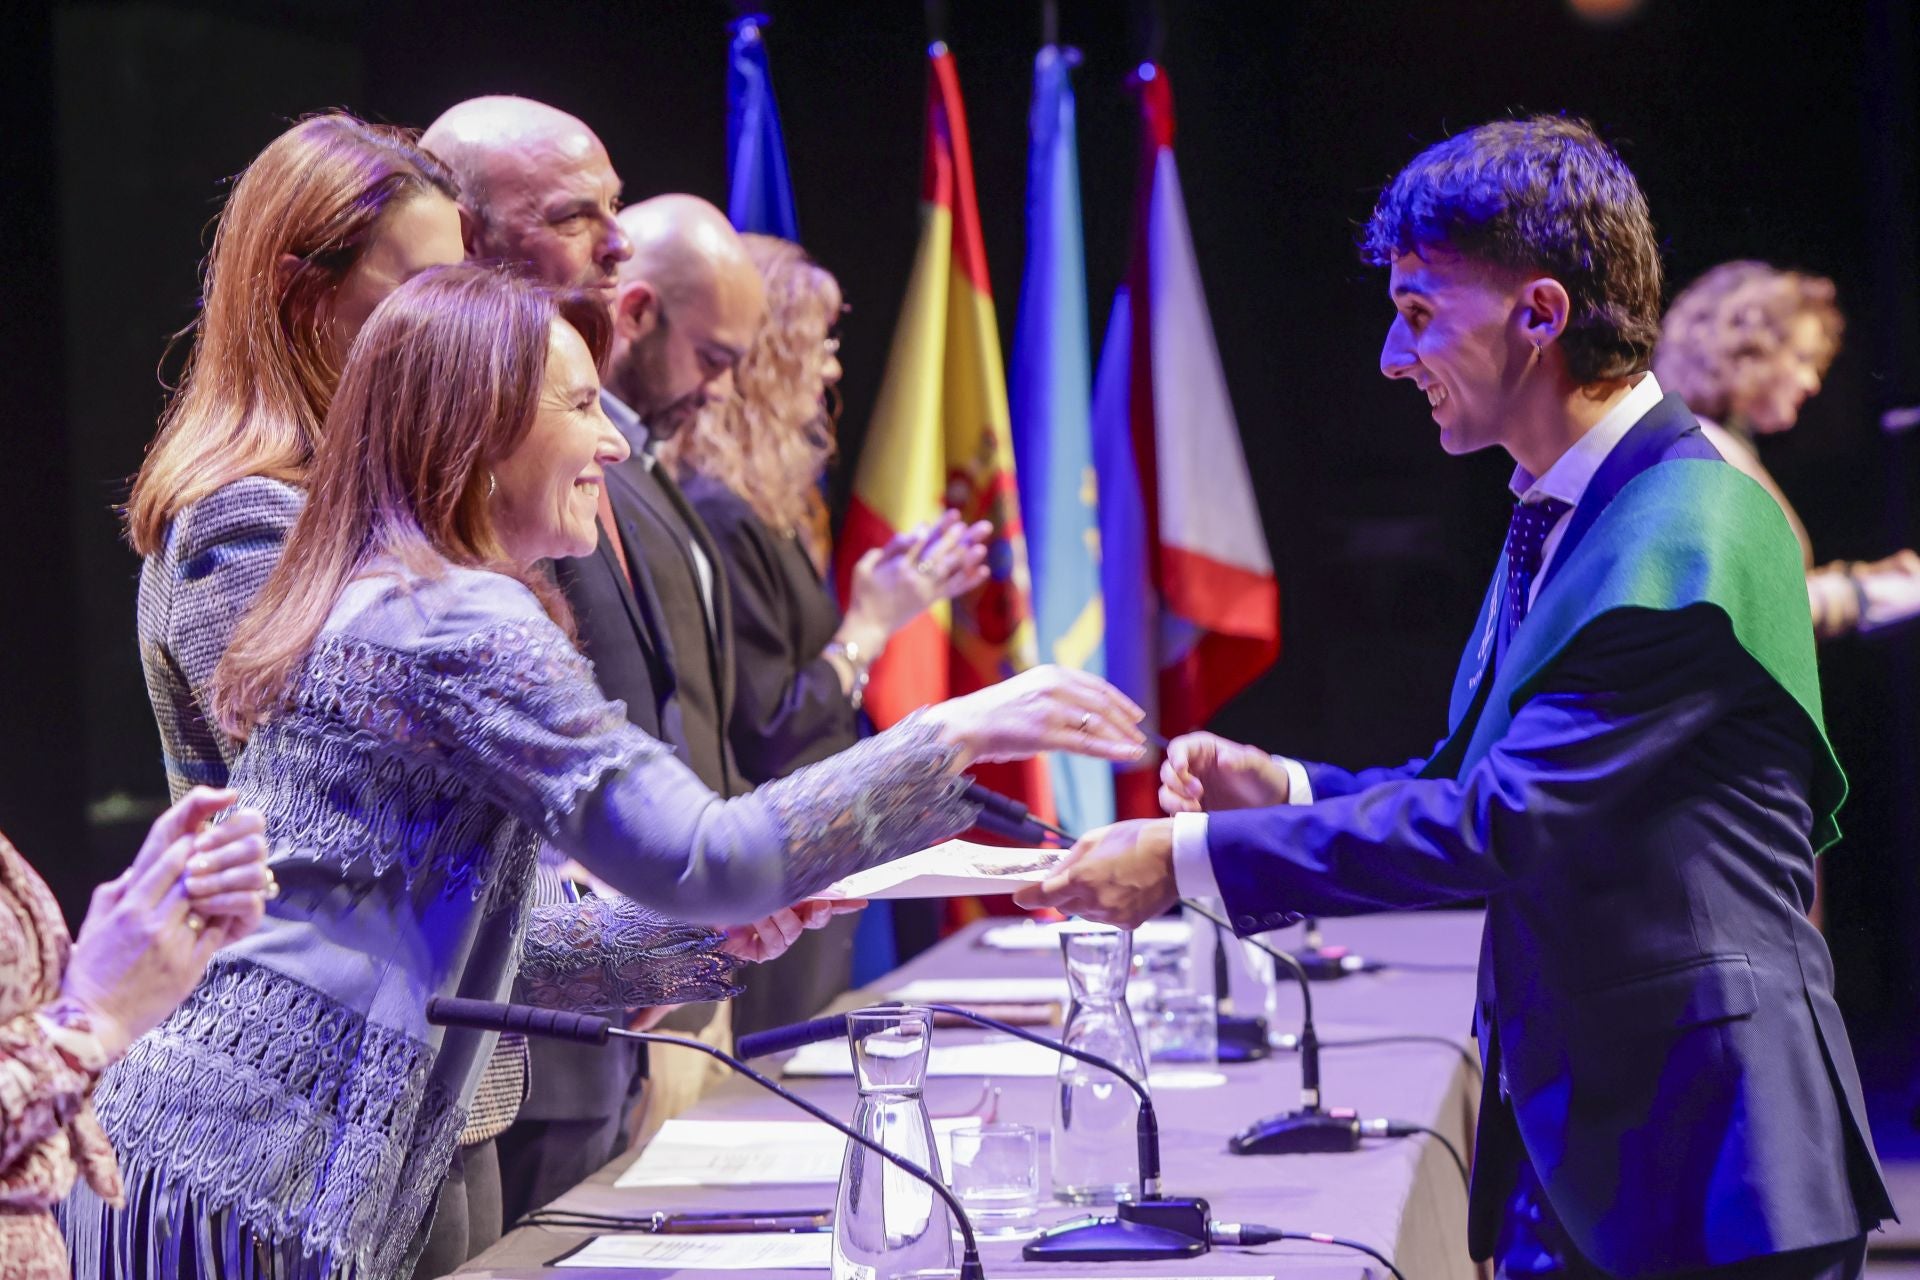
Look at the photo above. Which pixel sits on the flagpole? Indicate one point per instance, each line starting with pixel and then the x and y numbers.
pixel 936 21
pixel 1049 22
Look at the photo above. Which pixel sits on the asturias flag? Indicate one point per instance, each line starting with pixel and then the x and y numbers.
pixel 1048 385
pixel 1193 611
pixel 760 195
pixel 940 438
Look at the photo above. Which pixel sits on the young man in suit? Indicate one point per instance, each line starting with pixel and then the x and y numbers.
pixel 1635 775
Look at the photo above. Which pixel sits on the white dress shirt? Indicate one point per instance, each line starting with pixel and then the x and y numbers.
pixel 1567 479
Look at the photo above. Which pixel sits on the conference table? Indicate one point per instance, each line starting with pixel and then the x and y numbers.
pixel 1404 1197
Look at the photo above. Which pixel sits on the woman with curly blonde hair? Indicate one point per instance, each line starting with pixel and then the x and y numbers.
pixel 1747 345
pixel 751 466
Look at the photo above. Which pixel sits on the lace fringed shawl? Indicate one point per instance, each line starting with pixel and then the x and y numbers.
pixel 263 1120
pixel 390 761
pixel 437 732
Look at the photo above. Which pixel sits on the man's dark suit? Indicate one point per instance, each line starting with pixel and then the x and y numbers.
pixel 1663 1049
pixel 652 649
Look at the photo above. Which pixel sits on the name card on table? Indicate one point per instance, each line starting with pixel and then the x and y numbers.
pixel 757 1251
pixel 1007 1059
pixel 1031 935
pixel 751 1153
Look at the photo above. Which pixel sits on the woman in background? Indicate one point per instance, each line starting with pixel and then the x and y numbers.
pixel 332 216
pixel 70 1007
pixel 1747 345
pixel 751 465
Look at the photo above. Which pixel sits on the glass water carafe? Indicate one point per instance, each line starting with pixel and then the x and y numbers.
pixel 1095 1115
pixel 885 1221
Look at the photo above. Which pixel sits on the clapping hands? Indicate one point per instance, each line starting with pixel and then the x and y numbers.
pixel 896 583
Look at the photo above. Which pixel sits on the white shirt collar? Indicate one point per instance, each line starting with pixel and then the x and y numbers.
pixel 1568 478
pixel 628 424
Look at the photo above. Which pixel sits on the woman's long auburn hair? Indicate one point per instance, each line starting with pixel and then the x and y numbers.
pixel 442 383
pixel 254 394
pixel 769 440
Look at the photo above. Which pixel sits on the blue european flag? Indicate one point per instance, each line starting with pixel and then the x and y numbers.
pixel 760 195
pixel 1049 383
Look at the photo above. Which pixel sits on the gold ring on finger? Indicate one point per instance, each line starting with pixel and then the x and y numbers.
pixel 194 923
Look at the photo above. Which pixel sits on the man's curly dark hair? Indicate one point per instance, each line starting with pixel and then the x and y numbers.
pixel 1543 195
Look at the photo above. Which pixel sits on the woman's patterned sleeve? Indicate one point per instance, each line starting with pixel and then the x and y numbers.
pixel 49 1061
pixel 523 713
pixel 603 955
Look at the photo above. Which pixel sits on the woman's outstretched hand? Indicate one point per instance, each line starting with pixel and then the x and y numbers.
pixel 1044 709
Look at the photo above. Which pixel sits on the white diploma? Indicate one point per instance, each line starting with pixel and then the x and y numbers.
pixel 955 869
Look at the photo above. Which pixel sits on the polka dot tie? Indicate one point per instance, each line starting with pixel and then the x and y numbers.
pixel 1532 521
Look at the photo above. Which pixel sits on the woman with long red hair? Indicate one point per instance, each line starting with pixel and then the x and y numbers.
pixel 418 723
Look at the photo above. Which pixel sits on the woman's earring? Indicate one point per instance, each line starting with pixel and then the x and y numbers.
pixel 493 486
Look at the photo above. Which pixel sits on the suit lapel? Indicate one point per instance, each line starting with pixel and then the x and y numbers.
pixel 665 504
pixel 1652 438
pixel 628 499
pixel 721 635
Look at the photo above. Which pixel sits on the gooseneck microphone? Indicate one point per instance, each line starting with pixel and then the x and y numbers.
pixel 1152 1228
pixel 1309 1129
pixel 1009 819
pixel 559 1024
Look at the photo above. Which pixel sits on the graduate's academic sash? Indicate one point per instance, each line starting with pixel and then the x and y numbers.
pixel 1681 533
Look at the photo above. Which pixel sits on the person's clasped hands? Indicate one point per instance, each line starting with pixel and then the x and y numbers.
pixel 149 933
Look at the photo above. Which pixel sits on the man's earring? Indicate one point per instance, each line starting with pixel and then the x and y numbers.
pixel 493 486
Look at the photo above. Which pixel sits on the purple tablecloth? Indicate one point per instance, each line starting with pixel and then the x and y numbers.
pixel 1403 1197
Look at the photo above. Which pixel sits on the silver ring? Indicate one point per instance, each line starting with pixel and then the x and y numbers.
pixel 1086 718
pixel 925 567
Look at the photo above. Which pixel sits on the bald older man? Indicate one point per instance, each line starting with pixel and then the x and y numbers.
pixel 537 187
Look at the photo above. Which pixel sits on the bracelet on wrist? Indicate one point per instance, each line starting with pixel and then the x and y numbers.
pixel 858 663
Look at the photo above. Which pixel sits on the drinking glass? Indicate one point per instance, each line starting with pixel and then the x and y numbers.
pixel 996 1174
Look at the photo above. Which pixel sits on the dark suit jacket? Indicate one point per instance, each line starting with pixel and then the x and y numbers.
pixel 628 635
pixel 1656 1014
pixel 788 712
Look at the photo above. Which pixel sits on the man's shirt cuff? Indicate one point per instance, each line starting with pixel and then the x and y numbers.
pixel 1299 787
pixel 1192 865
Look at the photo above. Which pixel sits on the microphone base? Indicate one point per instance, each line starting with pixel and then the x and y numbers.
pixel 1243 1039
pixel 1297 1133
pixel 1141 1231
pixel 1324 964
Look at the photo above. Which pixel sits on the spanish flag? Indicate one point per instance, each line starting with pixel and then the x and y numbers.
pixel 941 437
